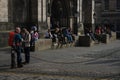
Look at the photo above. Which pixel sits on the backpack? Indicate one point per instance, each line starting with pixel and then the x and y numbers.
pixel 11 38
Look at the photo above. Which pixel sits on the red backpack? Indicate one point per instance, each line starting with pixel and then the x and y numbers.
pixel 11 38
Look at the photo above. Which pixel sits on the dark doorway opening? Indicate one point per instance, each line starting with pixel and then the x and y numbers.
pixel 25 13
pixel 59 14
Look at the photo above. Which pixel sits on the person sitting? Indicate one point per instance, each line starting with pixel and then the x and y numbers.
pixel 91 34
pixel 48 34
pixel 98 33
pixel 67 34
pixel 58 34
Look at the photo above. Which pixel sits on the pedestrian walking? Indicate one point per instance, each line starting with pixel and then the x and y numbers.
pixel 26 40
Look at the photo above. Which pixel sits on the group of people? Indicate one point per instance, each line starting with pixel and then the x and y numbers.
pixel 99 31
pixel 58 35
pixel 20 41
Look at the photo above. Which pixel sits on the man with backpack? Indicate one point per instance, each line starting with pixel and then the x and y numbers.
pixel 15 41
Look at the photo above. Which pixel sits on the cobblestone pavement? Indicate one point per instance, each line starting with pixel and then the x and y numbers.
pixel 99 62
pixel 18 76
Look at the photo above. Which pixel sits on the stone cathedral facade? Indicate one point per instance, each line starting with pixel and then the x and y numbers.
pixel 76 14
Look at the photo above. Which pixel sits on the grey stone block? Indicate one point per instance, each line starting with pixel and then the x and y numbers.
pixel 42 44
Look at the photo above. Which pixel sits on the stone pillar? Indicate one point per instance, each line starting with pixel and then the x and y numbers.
pixel 71 23
pixel 39 10
pixel 81 28
pixel 48 13
pixel 48 22
pixel 42 17
pixel 3 10
pixel 93 15
pixel 44 11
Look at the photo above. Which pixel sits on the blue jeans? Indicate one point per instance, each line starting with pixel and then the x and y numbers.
pixel 27 54
pixel 69 37
pixel 19 57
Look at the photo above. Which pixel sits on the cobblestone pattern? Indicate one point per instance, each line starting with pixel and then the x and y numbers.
pixel 13 76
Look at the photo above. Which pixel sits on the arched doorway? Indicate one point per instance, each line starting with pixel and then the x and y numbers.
pixel 60 13
pixel 25 13
pixel 20 9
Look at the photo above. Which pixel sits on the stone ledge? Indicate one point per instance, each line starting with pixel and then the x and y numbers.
pixel 42 44
pixel 114 36
pixel 107 39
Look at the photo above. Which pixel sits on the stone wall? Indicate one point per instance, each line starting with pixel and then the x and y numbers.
pixel 5 26
pixel 3 38
pixel 43 44
pixel 3 10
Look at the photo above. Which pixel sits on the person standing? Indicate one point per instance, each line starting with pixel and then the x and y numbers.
pixel 26 40
pixel 17 43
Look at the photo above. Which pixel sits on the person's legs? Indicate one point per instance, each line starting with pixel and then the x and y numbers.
pixel 92 36
pixel 19 58
pixel 27 54
pixel 13 63
pixel 69 38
